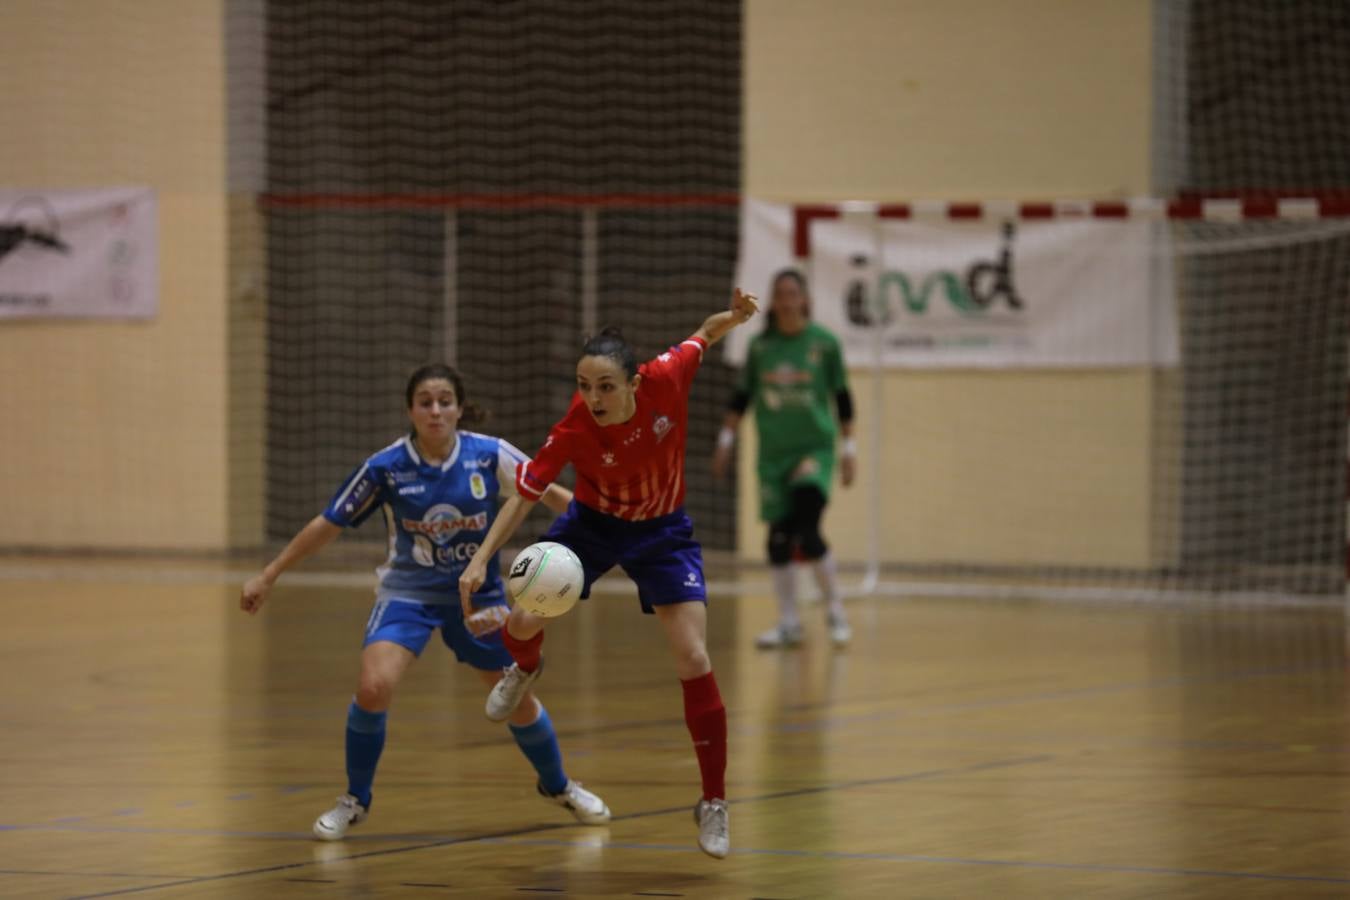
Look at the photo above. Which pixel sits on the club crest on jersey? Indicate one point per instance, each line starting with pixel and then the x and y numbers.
pixel 443 521
pixel 477 486
pixel 607 459
pixel 661 427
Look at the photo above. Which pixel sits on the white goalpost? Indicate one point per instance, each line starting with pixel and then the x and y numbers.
pixel 1247 447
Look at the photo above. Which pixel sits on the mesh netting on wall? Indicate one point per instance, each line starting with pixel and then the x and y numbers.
pixel 484 182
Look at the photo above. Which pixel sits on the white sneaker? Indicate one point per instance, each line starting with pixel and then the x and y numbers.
pixel 714 837
pixel 840 632
pixel 587 807
pixel 780 636
pixel 333 825
pixel 506 694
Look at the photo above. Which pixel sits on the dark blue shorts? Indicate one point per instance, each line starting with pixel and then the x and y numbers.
pixel 410 624
pixel 660 555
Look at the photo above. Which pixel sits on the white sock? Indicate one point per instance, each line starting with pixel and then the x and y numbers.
pixel 828 580
pixel 785 588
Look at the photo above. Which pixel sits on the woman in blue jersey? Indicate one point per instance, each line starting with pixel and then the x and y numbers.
pixel 439 489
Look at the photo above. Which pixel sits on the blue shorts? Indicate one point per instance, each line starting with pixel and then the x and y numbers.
pixel 409 624
pixel 660 555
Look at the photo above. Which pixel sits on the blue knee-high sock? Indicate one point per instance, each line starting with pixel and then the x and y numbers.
pixel 540 746
pixel 365 741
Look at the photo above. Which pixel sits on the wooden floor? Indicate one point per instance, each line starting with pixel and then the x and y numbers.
pixel 159 743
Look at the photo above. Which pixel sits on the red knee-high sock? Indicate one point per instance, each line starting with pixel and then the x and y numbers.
pixel 525 653
pixel 707 720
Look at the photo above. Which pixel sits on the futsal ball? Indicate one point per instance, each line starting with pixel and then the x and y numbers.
pixel 546 579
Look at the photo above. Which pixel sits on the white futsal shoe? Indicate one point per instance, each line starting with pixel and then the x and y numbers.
pixel 780 636
pixel 333 825
pixel 840 632
pixel 506 694
pixel 714 837
pixel 588 808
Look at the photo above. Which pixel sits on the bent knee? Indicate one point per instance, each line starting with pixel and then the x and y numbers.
pixel 374 692
pixel 691 662
pixel 779 545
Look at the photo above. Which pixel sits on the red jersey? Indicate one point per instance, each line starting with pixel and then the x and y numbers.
pixel 634 470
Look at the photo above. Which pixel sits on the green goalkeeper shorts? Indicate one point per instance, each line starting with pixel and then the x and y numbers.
pixel 779 474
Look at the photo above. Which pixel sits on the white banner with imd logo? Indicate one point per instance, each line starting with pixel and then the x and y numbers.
pixel 79 253
pixel 990 293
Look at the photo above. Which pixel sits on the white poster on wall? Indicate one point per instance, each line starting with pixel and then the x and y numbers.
pixel 987 293
pixel 79 253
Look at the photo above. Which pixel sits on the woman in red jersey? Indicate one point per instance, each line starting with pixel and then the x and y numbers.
pixel 625 435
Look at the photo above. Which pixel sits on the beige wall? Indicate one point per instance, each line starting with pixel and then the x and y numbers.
pixel 968 99
pixel 115 432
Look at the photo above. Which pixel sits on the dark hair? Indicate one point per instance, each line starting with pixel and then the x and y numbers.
pixel 770 322
pixel 609 342
pixel 470 413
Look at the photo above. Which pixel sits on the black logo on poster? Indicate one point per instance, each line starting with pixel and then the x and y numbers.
pixel 15 232
pixel 973 293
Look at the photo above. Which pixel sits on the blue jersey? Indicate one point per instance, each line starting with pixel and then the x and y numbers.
pixel 437 515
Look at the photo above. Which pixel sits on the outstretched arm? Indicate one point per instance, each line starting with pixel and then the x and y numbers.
pixel 318 534
pixel 716 326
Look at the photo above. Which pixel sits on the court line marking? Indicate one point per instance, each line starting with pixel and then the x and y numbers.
pixel 434 839
pixel 605 729
pixel 519 836
pixel 915 857
pixel 90 874
pixel 183 832
pixel 536 829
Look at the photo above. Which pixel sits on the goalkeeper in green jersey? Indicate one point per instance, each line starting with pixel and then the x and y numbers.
pixel 794 375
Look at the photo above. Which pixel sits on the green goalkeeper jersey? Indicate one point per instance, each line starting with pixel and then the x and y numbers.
pixel 792 382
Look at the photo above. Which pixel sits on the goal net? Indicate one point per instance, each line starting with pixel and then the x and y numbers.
pixel 1231 481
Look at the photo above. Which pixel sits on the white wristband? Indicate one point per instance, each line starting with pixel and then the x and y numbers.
pixel 850 447
pixel 726 438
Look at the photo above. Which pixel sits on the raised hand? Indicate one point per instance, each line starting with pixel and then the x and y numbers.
pixel 743 305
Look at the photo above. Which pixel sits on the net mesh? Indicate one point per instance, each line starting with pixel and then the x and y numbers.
pixel 477 182
pixel 1254 102
pixel 1251 96
pixel 1253 438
